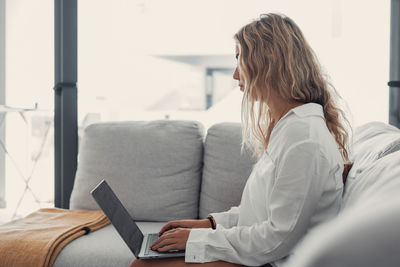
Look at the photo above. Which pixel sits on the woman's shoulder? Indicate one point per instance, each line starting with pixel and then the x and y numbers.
pixel 308 133
pixel 294 129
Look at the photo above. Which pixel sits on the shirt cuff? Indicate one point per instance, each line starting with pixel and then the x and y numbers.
pixel 221 218
pixel 195 246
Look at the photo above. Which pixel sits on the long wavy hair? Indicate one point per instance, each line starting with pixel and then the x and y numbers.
pixel 274 55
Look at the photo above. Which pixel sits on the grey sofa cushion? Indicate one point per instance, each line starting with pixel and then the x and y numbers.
pixel 225 170
pixel 366 236
pixel 365 233
pixel 374 144
pixel 153 167
pixel 380 180
pixel 371 142
pixel 102 248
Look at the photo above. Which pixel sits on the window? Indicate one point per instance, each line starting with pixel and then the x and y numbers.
pixel 28 152
pixel 158 59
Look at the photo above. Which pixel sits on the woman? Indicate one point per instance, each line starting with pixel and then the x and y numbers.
pixel 292 123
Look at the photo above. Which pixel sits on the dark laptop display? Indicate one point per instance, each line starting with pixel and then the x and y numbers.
pixel 138 243
pixel 119 216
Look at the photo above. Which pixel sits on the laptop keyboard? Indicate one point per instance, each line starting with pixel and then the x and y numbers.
pixel 150 240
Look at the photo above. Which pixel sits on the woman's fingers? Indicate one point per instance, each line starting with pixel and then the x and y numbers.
pixel 163 243
pixel 161 238
pixel 168 226
pixel 168 247
pixel 176 237
pixel 164 228
pixel 184 224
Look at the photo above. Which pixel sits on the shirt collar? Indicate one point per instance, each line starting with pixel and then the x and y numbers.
pixel 307 110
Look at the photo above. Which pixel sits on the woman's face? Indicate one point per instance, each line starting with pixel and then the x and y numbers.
pixel 236 74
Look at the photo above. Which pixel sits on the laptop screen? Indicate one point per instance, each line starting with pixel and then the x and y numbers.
pixel 119 216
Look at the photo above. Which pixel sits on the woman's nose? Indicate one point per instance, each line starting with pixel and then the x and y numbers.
pixel 236 75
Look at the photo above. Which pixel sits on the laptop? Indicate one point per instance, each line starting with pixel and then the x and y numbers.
pixel 137 242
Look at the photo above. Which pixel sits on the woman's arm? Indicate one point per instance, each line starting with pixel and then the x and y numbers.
pixel 299 184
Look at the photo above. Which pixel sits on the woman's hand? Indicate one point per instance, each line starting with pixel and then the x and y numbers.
pixel 185 224
pixel 174 239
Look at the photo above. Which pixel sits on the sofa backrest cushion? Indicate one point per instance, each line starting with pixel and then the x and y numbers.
pixel 225 170
pixel 380 180
pixel 374 144
pixel 366 236
pixel 365 233
pixel 371 142
pixel 153 167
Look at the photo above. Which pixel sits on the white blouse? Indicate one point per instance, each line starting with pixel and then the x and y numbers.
pixel 294 186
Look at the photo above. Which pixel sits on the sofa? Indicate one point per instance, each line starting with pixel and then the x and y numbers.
pixel 170 170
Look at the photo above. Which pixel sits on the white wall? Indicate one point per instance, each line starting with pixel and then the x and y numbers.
pixel 351 39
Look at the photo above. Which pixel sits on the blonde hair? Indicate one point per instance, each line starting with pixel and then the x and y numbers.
pixel 274 55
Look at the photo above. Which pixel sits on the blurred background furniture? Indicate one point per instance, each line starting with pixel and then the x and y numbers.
pixel 35 130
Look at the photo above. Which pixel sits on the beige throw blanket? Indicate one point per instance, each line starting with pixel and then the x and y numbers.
pixel 37 239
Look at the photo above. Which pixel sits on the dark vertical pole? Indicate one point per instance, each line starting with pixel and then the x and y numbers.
pixel 394 83
pixel 65 101
pixel 2 101
pixel 209 88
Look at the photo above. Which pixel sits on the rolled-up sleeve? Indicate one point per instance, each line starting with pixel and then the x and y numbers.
pixel 298 186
